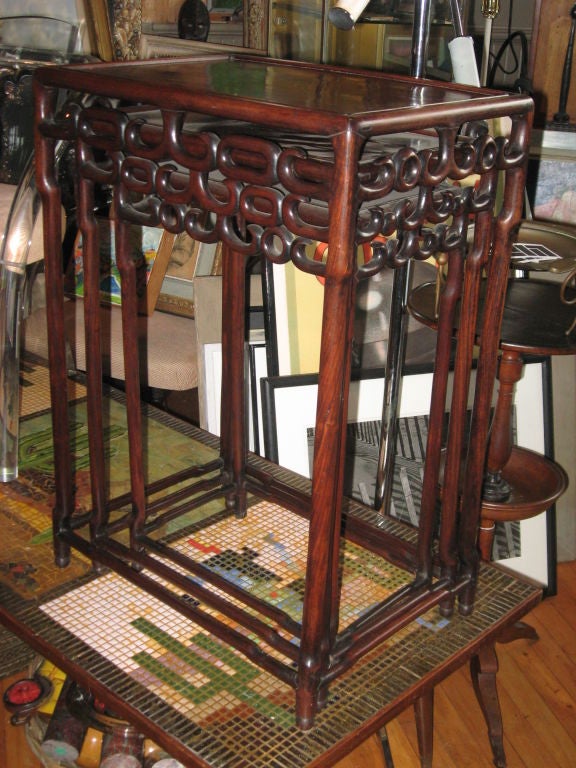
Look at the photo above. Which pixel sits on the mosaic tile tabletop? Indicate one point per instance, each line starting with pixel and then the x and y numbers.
pixel 225 711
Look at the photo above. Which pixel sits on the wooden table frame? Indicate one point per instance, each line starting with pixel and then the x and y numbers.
pixel 280 155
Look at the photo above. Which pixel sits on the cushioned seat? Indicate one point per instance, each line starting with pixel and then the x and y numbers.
pixel 167 344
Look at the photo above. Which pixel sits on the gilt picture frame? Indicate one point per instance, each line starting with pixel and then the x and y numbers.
pixel 99 28
pixel 188 260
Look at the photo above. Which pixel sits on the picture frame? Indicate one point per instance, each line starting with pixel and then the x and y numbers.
pixel 99 28
pixel 176 290
pixel 551 181
pixel 159 36
pixel 289 411
pixel 152 249
pixel 188 260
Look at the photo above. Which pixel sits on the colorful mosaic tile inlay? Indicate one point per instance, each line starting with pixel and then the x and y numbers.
pixel 265 554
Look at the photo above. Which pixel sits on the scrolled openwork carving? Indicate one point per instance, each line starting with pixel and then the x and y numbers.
pixel 304 219
pixel 173 185
pixel 262 206
pixel 248 159
pixel 145 140
pixel 139 175
pixel 194 150
pixel 279 247
pixel 302 175
pixel 171 217
pixel 269 195
pixel 102 128
pixel 408 169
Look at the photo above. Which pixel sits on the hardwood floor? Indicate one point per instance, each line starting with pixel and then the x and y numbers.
pixel 537 685
pixel 537 688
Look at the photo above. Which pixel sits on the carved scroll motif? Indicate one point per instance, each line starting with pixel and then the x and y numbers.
pixel 274 197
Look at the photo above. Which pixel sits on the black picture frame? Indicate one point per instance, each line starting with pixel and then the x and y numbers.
pixel 294 396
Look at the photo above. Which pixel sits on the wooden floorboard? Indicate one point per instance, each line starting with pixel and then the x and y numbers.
pixel 537 685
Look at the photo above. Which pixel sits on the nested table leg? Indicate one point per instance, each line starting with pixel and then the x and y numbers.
pixel 233 433
pixel 127 268
pixel 91 307
pixel 46 173
pixel 320 615
pixel 498 272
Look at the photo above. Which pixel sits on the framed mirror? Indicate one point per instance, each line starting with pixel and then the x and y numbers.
pixel 176 27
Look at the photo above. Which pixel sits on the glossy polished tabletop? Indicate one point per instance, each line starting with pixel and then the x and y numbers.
pixel 291 95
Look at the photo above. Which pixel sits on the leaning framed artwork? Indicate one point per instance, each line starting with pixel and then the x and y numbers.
pixel 289 410
pixel 151 249
pixel 188 260
pixel 176 289
pixel 99 25
pixel 551 185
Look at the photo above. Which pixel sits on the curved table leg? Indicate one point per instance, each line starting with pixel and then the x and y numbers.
pixel 483 668
pixel 518 631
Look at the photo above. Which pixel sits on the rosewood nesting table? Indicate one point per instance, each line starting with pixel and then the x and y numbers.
pixel 270 157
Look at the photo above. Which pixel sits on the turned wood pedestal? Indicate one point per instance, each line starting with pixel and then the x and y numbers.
pixel 519 483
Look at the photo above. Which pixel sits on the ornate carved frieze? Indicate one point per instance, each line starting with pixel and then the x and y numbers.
pixel 415 194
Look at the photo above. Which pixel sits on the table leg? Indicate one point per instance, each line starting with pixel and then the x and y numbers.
pixel 424 712
pixel 233 434
pixel 320 616
pixel 49 190
pixel 484 667
pixel 500 446
pixel 127 268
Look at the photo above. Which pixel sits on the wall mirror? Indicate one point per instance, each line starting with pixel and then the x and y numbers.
pixel 173 27
pixel 297 29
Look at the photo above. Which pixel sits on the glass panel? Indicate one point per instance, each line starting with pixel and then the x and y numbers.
pixel 37 25
pixel 382 39
pixel 296 30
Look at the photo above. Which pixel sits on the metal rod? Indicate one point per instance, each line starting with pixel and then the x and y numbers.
pixel 420 37
pixel 486 51
pixel 395 356
pixel 398 325
pixel 562 115
pixel 457 18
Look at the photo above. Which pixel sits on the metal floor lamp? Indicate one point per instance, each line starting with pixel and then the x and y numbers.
pixel 398 324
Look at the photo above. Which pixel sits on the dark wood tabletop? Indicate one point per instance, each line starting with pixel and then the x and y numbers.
pixel 320 99
pixel 535 320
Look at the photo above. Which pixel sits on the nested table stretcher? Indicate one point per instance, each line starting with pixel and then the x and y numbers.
pixel 270 157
